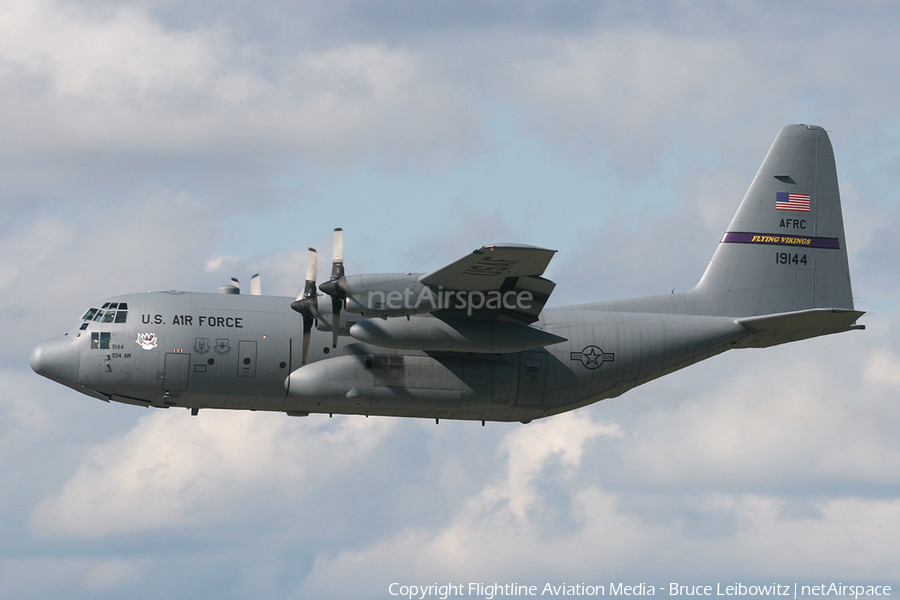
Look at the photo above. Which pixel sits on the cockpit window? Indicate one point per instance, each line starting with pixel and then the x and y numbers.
pixel 111 312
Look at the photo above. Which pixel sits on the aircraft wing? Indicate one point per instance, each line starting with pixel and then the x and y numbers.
pixel 507 278
pixel 780 328
pixel 489 267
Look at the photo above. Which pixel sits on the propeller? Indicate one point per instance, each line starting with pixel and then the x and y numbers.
pixel 334 287
pixel 306 303
pixel 234 287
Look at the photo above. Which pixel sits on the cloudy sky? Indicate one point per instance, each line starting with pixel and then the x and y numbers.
pixel 154 144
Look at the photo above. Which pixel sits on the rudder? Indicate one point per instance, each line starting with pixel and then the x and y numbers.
pixel 785 248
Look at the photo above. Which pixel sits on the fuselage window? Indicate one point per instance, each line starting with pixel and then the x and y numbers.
pixel 100 340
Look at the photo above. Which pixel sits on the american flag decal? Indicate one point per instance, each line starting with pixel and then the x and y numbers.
pixel 795 202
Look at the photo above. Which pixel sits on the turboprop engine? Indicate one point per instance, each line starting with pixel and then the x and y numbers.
pixel 481 303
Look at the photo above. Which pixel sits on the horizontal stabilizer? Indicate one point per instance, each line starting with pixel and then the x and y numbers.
pixel 771 330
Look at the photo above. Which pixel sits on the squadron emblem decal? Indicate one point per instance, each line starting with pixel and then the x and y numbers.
pixel 147 341
pixel 592 357
pixel 201 345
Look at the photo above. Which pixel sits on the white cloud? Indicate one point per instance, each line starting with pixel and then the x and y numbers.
pixel 883 368
pixel 105 55
pixel 528 451
pixel 63 577
pixel 114 80
pixel 172 470
pixel 710 536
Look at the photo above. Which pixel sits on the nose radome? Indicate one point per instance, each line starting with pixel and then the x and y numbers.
pixel 56 359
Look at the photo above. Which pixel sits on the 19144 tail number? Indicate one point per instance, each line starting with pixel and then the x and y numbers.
pixel 790 258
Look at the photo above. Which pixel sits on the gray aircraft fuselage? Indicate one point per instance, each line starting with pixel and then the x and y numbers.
pixel 239 351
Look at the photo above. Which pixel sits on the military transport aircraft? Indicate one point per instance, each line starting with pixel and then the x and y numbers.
pixel 472 340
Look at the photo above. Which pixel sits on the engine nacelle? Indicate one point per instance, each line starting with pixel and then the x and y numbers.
pixel 431 334
pixel 397 295
pixel 387 295
pixel 356 381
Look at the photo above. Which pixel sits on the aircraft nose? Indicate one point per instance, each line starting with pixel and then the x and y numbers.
pixel 56 359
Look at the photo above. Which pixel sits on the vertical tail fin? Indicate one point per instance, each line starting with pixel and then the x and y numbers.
pixel 785 249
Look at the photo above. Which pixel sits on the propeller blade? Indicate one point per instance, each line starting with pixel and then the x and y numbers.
pixel 335 320
pixel 312 265
pixel 337 271
pixel 307 328
pixel 337 261
pixel 255 286
pixel 307 302
pixel 333 287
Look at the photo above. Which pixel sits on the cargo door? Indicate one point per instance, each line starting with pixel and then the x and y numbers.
pixel 175 372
